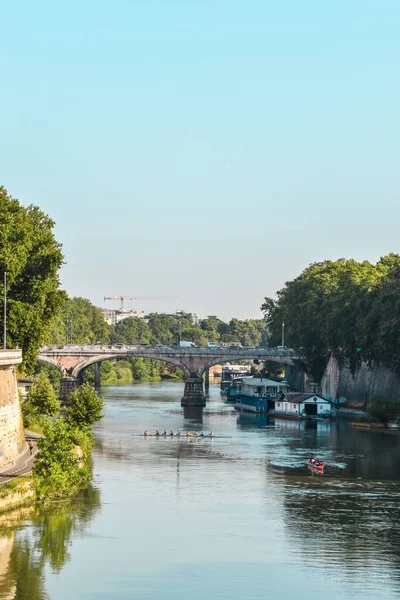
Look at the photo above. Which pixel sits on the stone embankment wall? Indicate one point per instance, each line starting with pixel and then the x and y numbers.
pixel 367 381
pixel 12 439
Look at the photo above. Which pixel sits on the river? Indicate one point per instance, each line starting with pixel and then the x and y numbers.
pixel 236 517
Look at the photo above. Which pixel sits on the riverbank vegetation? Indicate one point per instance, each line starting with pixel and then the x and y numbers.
pixel 344 308
pixel 31 257
pixel 64 457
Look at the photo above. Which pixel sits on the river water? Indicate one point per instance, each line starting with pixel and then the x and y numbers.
pixel 236 517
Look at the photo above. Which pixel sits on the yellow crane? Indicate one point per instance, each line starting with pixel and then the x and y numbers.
pixel 132 298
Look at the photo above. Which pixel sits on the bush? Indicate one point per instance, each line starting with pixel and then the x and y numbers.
pixel 42 399
pixel 86 407
pixel 383 409
pixel 57 471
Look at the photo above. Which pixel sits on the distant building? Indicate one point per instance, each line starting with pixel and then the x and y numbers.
pixel 112 317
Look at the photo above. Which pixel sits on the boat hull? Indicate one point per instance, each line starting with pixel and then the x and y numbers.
pixel 317 469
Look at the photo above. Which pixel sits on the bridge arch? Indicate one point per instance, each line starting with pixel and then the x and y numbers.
pixel 82 365
pixel 48 360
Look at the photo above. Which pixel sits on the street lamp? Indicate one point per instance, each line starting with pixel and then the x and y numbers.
pixel 179 313
pixel 68 324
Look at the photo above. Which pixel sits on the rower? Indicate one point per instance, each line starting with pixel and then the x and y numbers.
pixel 211 434
pixel 146 433
pixel 157 433
pixel 188 434
pixel 171 433
pixel 201 434
pixel 178 434
pixel 164 432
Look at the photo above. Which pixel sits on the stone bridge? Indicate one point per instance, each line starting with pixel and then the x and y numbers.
pixel 72 360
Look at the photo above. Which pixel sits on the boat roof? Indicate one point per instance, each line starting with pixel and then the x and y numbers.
pixel 297 397
pixel 262 381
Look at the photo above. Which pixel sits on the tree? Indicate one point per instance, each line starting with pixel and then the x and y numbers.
pixel 343 308
pixel 42 397
pixel 86 407
pixel 32 257
pixel 131 331
pixel 384 409
pixel 57 470
pixel 79 322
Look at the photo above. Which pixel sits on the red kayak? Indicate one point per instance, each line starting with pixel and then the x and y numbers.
pixel 316 466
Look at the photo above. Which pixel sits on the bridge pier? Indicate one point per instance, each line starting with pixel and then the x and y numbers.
pixel 193 394
pixel 97 375
pixel 68 385
pixel 207 381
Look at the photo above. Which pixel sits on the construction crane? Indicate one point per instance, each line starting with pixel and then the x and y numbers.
pixel 132 298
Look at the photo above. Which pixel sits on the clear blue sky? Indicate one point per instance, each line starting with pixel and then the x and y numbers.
pixel 203 149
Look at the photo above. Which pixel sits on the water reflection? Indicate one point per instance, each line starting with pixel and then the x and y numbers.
pixel 28 548
pixel 234 517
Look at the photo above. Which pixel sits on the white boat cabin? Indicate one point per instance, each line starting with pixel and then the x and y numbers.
pixel 261 387
pixel 257 394
pixel 296 404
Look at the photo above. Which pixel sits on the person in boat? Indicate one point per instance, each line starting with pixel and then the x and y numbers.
pixel 201 434
pixel 171 433
pixel 178 434
pixel 146 433
pixel 157 433
pixel 211 434
pixel 164 432
pixel 313 460
pixel 188 434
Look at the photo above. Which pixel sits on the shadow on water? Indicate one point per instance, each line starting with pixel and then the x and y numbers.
pixel 194 414
pixel 26 549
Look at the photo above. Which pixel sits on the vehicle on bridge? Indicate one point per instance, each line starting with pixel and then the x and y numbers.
pixel 187 345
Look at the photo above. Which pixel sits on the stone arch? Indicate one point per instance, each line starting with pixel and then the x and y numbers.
pixel 82 365
pixel 47 360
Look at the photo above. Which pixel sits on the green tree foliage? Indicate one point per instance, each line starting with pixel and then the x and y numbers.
pixel 42 399
pixel 85 407
pixel 383 409
pixel 79 322
pixel 32 257
pixel 131 331
pixel 56 471
pixel 343 308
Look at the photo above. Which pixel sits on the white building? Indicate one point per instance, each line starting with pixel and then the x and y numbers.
pixel 112 317
pixel 300 405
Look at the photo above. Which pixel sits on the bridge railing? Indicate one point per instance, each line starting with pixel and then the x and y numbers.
pixel 163 348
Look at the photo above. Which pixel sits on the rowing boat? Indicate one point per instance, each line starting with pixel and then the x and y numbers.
pixel 183 436
pixel 319 469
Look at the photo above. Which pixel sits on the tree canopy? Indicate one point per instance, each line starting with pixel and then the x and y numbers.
pixel 32 257
pixel 343 308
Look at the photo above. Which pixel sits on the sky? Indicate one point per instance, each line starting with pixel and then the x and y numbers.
pixel 204 150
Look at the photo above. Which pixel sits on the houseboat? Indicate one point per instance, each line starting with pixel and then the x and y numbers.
pixel 231 373
pixel 258 395
pixel 296 405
